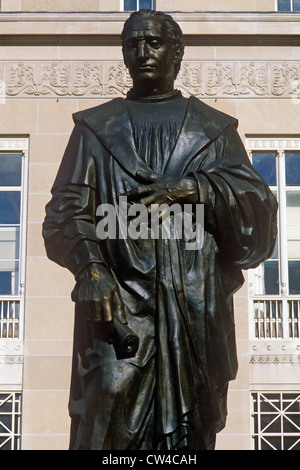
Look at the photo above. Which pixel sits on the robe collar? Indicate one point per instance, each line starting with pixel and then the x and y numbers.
pixel 111 124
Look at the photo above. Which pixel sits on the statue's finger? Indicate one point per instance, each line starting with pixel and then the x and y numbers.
pixel 148 175
pixel 94 310
pixel 107 314
pixel 154 198
pixel 118 307
pixel 138 191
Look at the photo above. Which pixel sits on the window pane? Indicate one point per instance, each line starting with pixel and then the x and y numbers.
pixel 270 423
pixel 271 278
pixel 271 443
pixel 266 278
pixel 10 207
pixel 292 169
pixel 284 5
pixel 294 277
pixel 275 252
pixel 130 5
pixel 294 247
pixel 145 4
pixel 291 443
pixel 9 278
pixel 10 169
pixel 291 424
pixel 293 207
pixel 265 165
pixel 293 224
pixel 9 243
pixel 296 5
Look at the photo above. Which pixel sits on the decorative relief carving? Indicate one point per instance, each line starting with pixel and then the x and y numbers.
pixel 224 79
pixel 11 359
pixel 278 359
pixel 263 143
pixel 13 143
pixel 107 79
pixel 117 80
pixel 54 79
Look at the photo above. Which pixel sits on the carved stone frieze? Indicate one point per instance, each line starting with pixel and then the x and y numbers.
pixel 54 79
pixel 11 359
pixel 275 359
pixel 107 79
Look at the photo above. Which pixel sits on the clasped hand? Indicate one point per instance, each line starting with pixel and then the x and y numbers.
pixel 163 189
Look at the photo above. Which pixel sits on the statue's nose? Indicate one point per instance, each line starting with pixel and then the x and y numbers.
pixel 142 50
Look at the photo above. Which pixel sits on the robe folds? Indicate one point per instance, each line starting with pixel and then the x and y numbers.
pixel 179 302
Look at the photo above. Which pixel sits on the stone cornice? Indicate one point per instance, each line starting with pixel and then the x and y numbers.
pixel 203 16
pixel 194 23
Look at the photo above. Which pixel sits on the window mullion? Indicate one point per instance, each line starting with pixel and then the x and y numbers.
pixel 282 241
pixel 23 220
pixel 282 235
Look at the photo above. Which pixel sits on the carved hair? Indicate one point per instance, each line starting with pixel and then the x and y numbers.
pixel 173 32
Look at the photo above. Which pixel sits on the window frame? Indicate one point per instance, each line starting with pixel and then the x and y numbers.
pixel 277 316
pixel 17 145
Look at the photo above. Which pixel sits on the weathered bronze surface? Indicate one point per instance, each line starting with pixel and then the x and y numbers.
pixel 155 147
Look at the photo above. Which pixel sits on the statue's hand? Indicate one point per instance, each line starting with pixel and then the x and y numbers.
pixel 164 189
pixel 98 298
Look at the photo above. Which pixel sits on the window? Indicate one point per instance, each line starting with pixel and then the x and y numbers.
pixel 13 178
pixel 134 5
pixel 288 5
pixel 10 421
pixel 275 284
pixel 10 221
pixel 276 421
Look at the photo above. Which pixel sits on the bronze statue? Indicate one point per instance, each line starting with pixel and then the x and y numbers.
pixel 155 147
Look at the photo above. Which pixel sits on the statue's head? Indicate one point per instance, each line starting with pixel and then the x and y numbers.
pixel 153 47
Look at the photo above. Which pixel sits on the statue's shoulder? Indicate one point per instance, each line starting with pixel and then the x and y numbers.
pixel 211 117
pixel 105 110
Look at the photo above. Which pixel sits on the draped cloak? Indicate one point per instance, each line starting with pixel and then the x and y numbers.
pixel 173 393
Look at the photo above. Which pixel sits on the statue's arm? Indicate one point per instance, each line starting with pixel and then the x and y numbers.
pixel 69 230
pixel 240 209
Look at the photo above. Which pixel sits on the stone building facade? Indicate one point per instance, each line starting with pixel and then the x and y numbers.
pixel 61 56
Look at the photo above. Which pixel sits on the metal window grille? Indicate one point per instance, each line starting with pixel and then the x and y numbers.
pixel 9 318
pixel 276 318
pixel 10 421
pixel 276 421
pixel 268 318
pixel 294 318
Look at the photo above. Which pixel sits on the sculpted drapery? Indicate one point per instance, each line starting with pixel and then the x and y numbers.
pixel 172 394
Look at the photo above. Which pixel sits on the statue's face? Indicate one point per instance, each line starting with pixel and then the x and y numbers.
pixel 148 52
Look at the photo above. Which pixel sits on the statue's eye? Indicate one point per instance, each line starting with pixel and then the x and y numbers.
pixel 130 45
pixel 155 43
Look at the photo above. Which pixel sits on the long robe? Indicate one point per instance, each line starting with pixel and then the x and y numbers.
pixel 173 393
